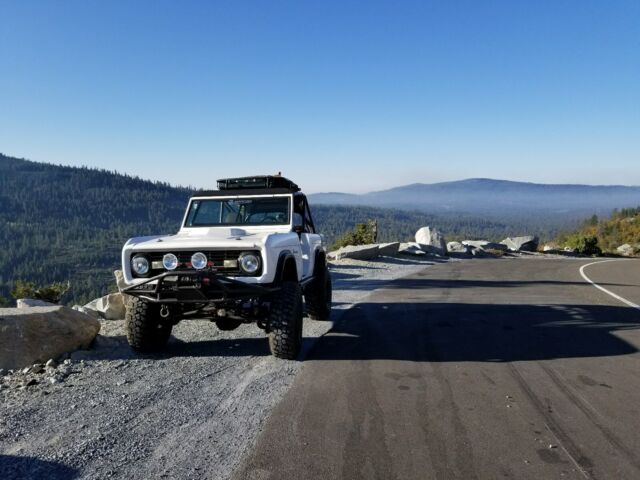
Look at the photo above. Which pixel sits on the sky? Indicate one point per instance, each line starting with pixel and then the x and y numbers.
pixel 347 96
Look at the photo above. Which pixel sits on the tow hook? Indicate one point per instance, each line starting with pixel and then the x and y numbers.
pixel 164 311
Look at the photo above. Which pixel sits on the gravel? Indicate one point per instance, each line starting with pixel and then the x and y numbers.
pixel 190 412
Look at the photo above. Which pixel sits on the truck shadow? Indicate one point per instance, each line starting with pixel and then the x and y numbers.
pixel 30 468
pixel 469 332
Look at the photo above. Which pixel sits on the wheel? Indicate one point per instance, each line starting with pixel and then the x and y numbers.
pixel 318 296
pixel 285 321
pixel 146 331
pixel 227 324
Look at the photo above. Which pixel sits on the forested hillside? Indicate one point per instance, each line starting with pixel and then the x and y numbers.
pixel 622 227
pixel 69 224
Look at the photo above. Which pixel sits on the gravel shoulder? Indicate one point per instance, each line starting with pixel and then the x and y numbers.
pixel 192 412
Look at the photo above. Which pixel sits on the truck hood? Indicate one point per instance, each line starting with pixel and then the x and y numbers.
pixel 205 239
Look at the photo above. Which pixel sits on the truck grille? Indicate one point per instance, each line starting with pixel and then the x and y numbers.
pixel 216 256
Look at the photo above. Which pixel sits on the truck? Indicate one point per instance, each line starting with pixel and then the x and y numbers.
pixel 247 252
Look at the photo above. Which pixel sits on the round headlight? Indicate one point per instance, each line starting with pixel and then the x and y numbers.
pixel 249 262
pixel 170 261
pixel 198 260
pixel 140 265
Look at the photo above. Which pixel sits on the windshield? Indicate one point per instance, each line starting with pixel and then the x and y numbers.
pixel 239 211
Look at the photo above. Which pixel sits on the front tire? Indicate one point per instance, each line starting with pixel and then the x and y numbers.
pixel 318 296
pixel 285 321
pixel 146 331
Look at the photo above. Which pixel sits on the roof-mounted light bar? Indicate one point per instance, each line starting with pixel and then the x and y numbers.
pixel 257 182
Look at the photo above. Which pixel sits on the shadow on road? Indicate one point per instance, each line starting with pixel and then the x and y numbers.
pixel 29 468
pixel 448 332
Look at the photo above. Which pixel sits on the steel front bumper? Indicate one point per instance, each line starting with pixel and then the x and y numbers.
pixel 187 286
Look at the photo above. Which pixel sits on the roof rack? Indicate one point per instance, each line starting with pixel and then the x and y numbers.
pixel 258 182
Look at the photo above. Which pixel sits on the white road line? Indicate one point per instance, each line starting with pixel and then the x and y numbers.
pixel 608 292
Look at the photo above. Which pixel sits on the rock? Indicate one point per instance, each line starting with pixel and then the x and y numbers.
pixel 91 311
pixel 411 249
pixel 111 307
pixel 457 247
pixel 389 249
pixel 431 241
pixel 51 363
pixel 32 302
pixel 527 243
pixel 485 245
pixel 37 368
pixel 119 279
pixel 35 334
pixel 625 250
pixel 356 252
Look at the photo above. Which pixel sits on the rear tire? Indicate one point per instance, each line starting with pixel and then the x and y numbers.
pixel 146 330
pixel 318 296
pixel 285 321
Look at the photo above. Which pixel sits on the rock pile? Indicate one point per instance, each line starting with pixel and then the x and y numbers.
pixel 49 373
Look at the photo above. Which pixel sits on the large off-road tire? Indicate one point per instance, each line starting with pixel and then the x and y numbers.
pixel 227 324
pixel 318 296
pixel 285 321
pixel 146 330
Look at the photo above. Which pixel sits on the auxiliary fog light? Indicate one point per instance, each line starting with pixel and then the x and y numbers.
pixel 198 260
pixel 170 261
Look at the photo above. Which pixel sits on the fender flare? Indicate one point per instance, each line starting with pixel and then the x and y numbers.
pixel 284 259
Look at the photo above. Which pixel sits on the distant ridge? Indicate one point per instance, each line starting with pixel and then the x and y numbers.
pixel 489 196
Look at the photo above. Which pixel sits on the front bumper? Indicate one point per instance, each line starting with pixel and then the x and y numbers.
pixel 188 286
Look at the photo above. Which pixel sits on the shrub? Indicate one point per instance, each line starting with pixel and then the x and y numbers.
pixel 4 302
pixel 49 293
pixel 584 244
pixel 362 234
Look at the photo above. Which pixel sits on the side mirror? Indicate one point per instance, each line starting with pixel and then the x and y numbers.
pixel 298 229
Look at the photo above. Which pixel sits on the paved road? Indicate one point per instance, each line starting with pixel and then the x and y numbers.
pixel 484 369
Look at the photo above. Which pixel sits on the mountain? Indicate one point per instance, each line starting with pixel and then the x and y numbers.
pixel 495 198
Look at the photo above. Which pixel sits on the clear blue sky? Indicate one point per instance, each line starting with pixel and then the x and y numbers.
pixel 340 96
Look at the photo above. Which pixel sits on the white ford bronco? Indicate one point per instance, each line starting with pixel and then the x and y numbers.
pixel 247 252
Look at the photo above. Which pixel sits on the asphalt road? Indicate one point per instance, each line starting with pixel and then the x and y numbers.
pixel 483 369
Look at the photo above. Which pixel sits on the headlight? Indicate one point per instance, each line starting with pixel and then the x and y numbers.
pixel 249 262
pixel 140 265
pixel 170 261
pixel 198 260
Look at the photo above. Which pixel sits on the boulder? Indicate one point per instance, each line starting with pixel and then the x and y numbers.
pixel 356 252
pixel 431 241
pixel 457 247
pixel 36 334
pixel 485 245
pixel 411 249
pixel 389 249
pixel 111 307
pixel 625 250
pixel 32 302
pixel 527 243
